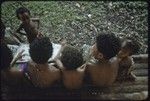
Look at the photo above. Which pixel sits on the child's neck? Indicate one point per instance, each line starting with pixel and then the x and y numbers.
pixel 103 61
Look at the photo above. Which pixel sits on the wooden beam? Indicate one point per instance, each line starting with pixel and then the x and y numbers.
pixel 141 72
pixel 121 96
pixel 140 65
pixel 141 58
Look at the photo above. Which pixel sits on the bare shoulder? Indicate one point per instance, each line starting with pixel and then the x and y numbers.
pixel 90 67
pixel 32 24
pixel 14 72
pixel 127 61
pixel 114 60
pixel 53 68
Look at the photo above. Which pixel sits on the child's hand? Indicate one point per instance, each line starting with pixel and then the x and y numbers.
pixel 39 35
pixel 19 55
pixel 82 68
pixel 63 42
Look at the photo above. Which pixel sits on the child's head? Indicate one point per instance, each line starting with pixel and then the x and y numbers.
pixel 129 47
pixel 6 57
pixel 106 46
pixel 22 13
pixel 41 50
pixel 71 58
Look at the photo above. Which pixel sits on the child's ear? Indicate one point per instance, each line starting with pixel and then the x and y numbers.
pixel 100 56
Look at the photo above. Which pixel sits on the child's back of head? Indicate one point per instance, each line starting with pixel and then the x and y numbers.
pixel 71 58
pixel 41 50
pixel 73 72
pixel 108 44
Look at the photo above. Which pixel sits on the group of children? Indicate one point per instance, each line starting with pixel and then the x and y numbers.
pixel 110 60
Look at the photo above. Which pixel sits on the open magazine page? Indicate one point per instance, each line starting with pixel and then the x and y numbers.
pixel 25 55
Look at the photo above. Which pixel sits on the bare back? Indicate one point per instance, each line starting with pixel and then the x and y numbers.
pixel 45 77
pixel 73 79
pixel 103 74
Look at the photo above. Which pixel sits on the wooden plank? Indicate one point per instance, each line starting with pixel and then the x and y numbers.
pixel 141 72
pixel 141 58
pixel 119 89
pixel 128 89
pixel 121 96
pixel 140 65
pixel 138 81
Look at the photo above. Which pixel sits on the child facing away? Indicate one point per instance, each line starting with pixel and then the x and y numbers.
pixel 70 61
pixel 128 48
pixel 23 14
pixel 103 70
pixel 38 70
pixel 10 75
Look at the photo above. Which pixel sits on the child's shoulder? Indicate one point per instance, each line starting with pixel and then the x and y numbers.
pixel 53 68
pixel 127 59
pixel 126 62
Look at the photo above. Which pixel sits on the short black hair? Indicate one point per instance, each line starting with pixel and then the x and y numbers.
pixel 21 10
pixel 41 50
pixel 71 58
pixel 3 27
pixel 6 57
pixel 132 45
pixel 108 44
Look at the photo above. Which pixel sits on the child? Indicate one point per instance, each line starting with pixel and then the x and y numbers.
pixel 38 71
pixel 72 67
pixel 23 14
pixel 9 75
pixel 103 70
pixel 128 48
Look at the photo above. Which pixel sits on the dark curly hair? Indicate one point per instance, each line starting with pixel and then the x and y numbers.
pixel 108 44
pixel 132 45
pixel 6 57
pixel 71 58
pixel 21 10
pixel 41 50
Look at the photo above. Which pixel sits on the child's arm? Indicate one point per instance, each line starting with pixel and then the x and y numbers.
pixel 56 58
pixel 82 68
pixel 19 29
pixel 131 67
pixel 63 44
pixel 18 56
pixel 59 64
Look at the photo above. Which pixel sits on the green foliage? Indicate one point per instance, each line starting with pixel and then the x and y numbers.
pixel 80 21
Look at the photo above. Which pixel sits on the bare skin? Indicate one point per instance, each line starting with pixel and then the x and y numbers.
pixel 103 72
pixel 43 75
pixel 29 27
pixel 12 74
pixel 125 66
pixel 72 79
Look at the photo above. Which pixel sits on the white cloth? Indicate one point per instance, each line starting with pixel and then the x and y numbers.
pixel 26 56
